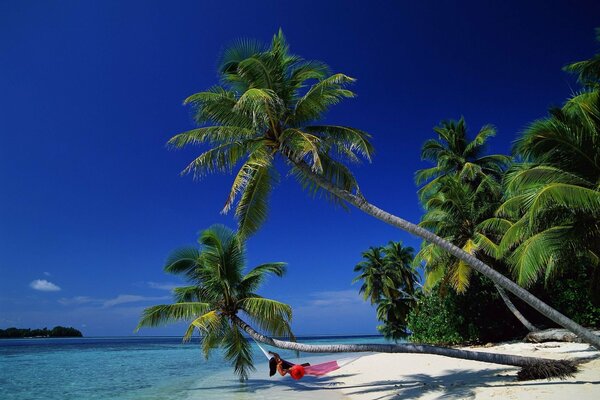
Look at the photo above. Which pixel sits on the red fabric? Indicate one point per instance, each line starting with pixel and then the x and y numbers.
pixel 297 372
pixel 321 369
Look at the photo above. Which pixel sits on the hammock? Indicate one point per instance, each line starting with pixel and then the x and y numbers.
pixel 297 371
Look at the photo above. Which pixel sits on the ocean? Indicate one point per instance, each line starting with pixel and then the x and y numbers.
pixel 149 368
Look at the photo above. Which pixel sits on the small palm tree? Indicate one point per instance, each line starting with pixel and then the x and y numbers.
pixel 268 106
pixel 218 291
pixel 388 280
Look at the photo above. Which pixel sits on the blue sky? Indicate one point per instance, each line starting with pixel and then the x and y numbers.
pixel 91 201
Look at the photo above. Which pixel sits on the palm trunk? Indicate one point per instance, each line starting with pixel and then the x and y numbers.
pixel 362 204
pixel 557 368
pixel 513 309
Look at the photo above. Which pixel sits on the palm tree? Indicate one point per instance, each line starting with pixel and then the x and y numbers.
pixel 376 276
pixel 389 281
pixel 531 367
pixel 455 213
pixel 219 291
pixel 551 217
pixel 454 154
pixel 264 109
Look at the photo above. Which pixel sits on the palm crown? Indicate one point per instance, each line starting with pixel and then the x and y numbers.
pixel 454 154
pixel 552 213
pixel 267 105
pixel 219 291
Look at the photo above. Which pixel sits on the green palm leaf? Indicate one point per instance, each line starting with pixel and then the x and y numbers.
pixel 167 313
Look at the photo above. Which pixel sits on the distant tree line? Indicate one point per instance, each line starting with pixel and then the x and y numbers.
pixel 57 331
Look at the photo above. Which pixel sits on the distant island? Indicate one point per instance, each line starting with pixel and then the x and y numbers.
pixel 56 332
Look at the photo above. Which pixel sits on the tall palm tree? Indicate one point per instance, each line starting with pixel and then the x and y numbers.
pixel 265 108
pixel 454 154
pixel 218 291
pixel 551 217
pixel 376 276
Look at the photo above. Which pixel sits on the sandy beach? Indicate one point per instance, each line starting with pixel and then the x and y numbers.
pixel 416 376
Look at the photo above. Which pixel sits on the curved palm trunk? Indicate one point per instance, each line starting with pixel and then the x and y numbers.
pixel 513 309
pixel 558 368
pixel 362 204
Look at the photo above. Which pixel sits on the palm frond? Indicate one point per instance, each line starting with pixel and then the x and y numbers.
pixel 253 279
pixel 536 254
pixel 320 97
pixel 252 208
pixel 270 315
pixel 238 351
pixel 210 134
pixel 183 261
pixel 222 158
pixel 345 139
pixel 166 313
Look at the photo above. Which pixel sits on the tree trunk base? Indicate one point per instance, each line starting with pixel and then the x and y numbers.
pixel 555 335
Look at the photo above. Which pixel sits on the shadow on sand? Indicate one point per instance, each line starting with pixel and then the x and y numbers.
pixel 456 384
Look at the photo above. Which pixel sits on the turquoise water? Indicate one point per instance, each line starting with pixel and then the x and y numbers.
pixel 144 368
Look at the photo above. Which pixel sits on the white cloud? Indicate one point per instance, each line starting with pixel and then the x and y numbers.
pixel 163 285
pixel 77 300
pixel 131 298
pixel 47 273
pixel 345 310
pixel 44 286
pixel 335 298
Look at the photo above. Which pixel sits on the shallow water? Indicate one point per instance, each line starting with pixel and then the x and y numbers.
pixel 145 368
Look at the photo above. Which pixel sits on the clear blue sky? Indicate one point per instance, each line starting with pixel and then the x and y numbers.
pixel 91 201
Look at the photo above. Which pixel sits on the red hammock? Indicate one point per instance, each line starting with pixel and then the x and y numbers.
pixel 297 371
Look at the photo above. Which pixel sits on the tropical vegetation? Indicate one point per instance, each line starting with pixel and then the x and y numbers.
pixel 56 332
pixel 268 106
pixel 219 295
pixel 538 221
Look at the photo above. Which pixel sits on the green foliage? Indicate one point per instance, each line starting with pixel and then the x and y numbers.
pixel 218 290
pixel 553 200
pixel 569 295
pixel 476 316
pixel 57 331
pixel 436 319
pixel 265 107
pixel 389 281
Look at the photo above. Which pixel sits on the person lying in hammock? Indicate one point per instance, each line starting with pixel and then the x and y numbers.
pixel 278 364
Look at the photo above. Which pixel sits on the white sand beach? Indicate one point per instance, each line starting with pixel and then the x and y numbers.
pixel 417 376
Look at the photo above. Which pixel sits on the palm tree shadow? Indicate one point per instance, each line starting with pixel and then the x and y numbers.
pixel 454 384
pixel 256 385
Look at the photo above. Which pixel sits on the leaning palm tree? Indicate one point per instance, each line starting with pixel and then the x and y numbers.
pixel 266 107
pixel 217 292
pixel 220 294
